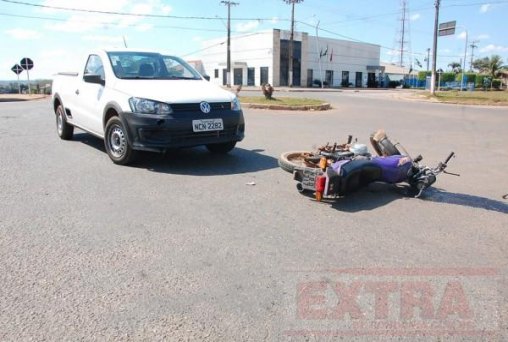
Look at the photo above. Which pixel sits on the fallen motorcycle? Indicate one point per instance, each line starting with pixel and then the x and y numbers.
pixel 333 171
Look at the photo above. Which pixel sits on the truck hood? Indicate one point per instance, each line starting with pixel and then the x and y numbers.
pixel 174 91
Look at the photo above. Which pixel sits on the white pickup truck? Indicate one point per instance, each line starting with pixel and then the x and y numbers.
pixel 139 100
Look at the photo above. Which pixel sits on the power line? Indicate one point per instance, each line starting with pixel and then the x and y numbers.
pixel 109 23
pixel 131 14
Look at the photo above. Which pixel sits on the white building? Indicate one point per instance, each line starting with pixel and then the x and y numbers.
pixel 262 57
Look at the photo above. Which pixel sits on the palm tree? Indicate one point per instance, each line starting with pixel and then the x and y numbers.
pixel 456 67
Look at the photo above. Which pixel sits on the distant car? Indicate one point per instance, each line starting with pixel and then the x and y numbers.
pixel 139 100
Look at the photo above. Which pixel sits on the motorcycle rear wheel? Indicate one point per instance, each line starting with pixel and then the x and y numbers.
pixel 288 161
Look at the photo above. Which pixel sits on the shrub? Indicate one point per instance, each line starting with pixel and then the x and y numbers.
pixel 393 84
pixel 267 91
pixel 422 75
pixel 496 84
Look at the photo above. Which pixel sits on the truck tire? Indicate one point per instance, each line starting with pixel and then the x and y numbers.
pixel 289 160
pixel 64 130
pixel 116 142
pixel 221 148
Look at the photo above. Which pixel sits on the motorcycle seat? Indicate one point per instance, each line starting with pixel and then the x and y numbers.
pixel 353 176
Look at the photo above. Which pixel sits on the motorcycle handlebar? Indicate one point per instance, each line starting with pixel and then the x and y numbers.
pixel 449 157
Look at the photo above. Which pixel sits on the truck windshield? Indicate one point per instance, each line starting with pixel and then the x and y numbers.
pixel 145 65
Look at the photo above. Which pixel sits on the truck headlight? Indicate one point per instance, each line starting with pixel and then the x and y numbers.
pixel 145 106
pixel 235 104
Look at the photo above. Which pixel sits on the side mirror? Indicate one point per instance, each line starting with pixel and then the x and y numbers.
pixel 206 77
pixel 92 78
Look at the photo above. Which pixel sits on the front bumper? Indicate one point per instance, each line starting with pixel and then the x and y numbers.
pixel 157 132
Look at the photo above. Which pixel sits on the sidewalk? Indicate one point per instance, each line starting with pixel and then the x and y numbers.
pixel 21 97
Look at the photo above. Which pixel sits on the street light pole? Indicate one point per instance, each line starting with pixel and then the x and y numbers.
pixel 228 67
pixel 434 50
pixel 464 68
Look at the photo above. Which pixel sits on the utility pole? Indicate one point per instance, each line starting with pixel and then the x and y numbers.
pixel 434 49
pixel 228 67
pixel 291 37
pixel 473 46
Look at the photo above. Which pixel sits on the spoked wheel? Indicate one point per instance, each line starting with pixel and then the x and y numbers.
pixel 116 142
pixel 64 130
pixel 289 160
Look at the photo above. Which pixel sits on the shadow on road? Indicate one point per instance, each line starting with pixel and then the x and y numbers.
pixel 379 194
pixel 440 196
pixel 195 161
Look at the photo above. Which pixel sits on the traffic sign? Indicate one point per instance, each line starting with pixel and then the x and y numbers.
pixel 447 29
pixel 26 63
pixel 17 69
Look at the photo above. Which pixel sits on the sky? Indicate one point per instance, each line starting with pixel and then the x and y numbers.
pixel 57 39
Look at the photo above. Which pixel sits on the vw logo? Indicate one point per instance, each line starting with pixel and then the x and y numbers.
pixel 205 107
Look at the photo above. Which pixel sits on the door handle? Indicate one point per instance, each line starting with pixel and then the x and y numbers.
pixel 77 91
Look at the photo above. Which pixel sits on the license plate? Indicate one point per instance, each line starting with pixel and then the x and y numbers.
pixel 207 125
pixel 309 179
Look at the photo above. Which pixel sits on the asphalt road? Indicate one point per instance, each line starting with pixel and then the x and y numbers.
pixel 181 247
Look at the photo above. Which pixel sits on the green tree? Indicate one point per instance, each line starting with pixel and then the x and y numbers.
pixel 489 65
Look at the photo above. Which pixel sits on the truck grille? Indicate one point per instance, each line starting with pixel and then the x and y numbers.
pixel 194 107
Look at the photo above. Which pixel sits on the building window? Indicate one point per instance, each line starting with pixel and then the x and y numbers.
pixel 250 76
pixel 310 77
pixel 263 73
pixel 216 73
pixel 345 79
pixel 237 76
pixel 329 78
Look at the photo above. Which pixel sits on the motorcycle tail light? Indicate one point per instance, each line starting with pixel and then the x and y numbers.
pixel 320 187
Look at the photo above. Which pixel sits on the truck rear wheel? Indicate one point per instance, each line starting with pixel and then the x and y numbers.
pixel 116 142
pixel 64 130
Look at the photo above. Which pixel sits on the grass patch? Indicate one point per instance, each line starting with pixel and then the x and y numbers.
pixel 286 101
pixel 477 97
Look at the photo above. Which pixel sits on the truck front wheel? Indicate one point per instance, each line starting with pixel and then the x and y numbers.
pixel 116 142
pixel 64 130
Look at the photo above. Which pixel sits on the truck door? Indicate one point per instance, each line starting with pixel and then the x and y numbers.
pixel 89 96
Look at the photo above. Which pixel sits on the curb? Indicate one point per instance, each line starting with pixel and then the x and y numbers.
pixel 322 107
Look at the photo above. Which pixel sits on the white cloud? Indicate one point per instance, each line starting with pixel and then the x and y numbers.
pixel 89 21
pixel 483 36
pixel 494 48
pixel 23 34
pixel 462 35
pixel 485 8
pixel 104 39
pixel 144 27
pixel 275 20
pixel 415 17
pixel 248 26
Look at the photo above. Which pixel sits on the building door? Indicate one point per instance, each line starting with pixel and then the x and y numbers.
pixel 358 81
pixel 224 77
pixel 250 76
pixel 237 76
pixel 371 80
pixel 284 62
pixel 263 75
